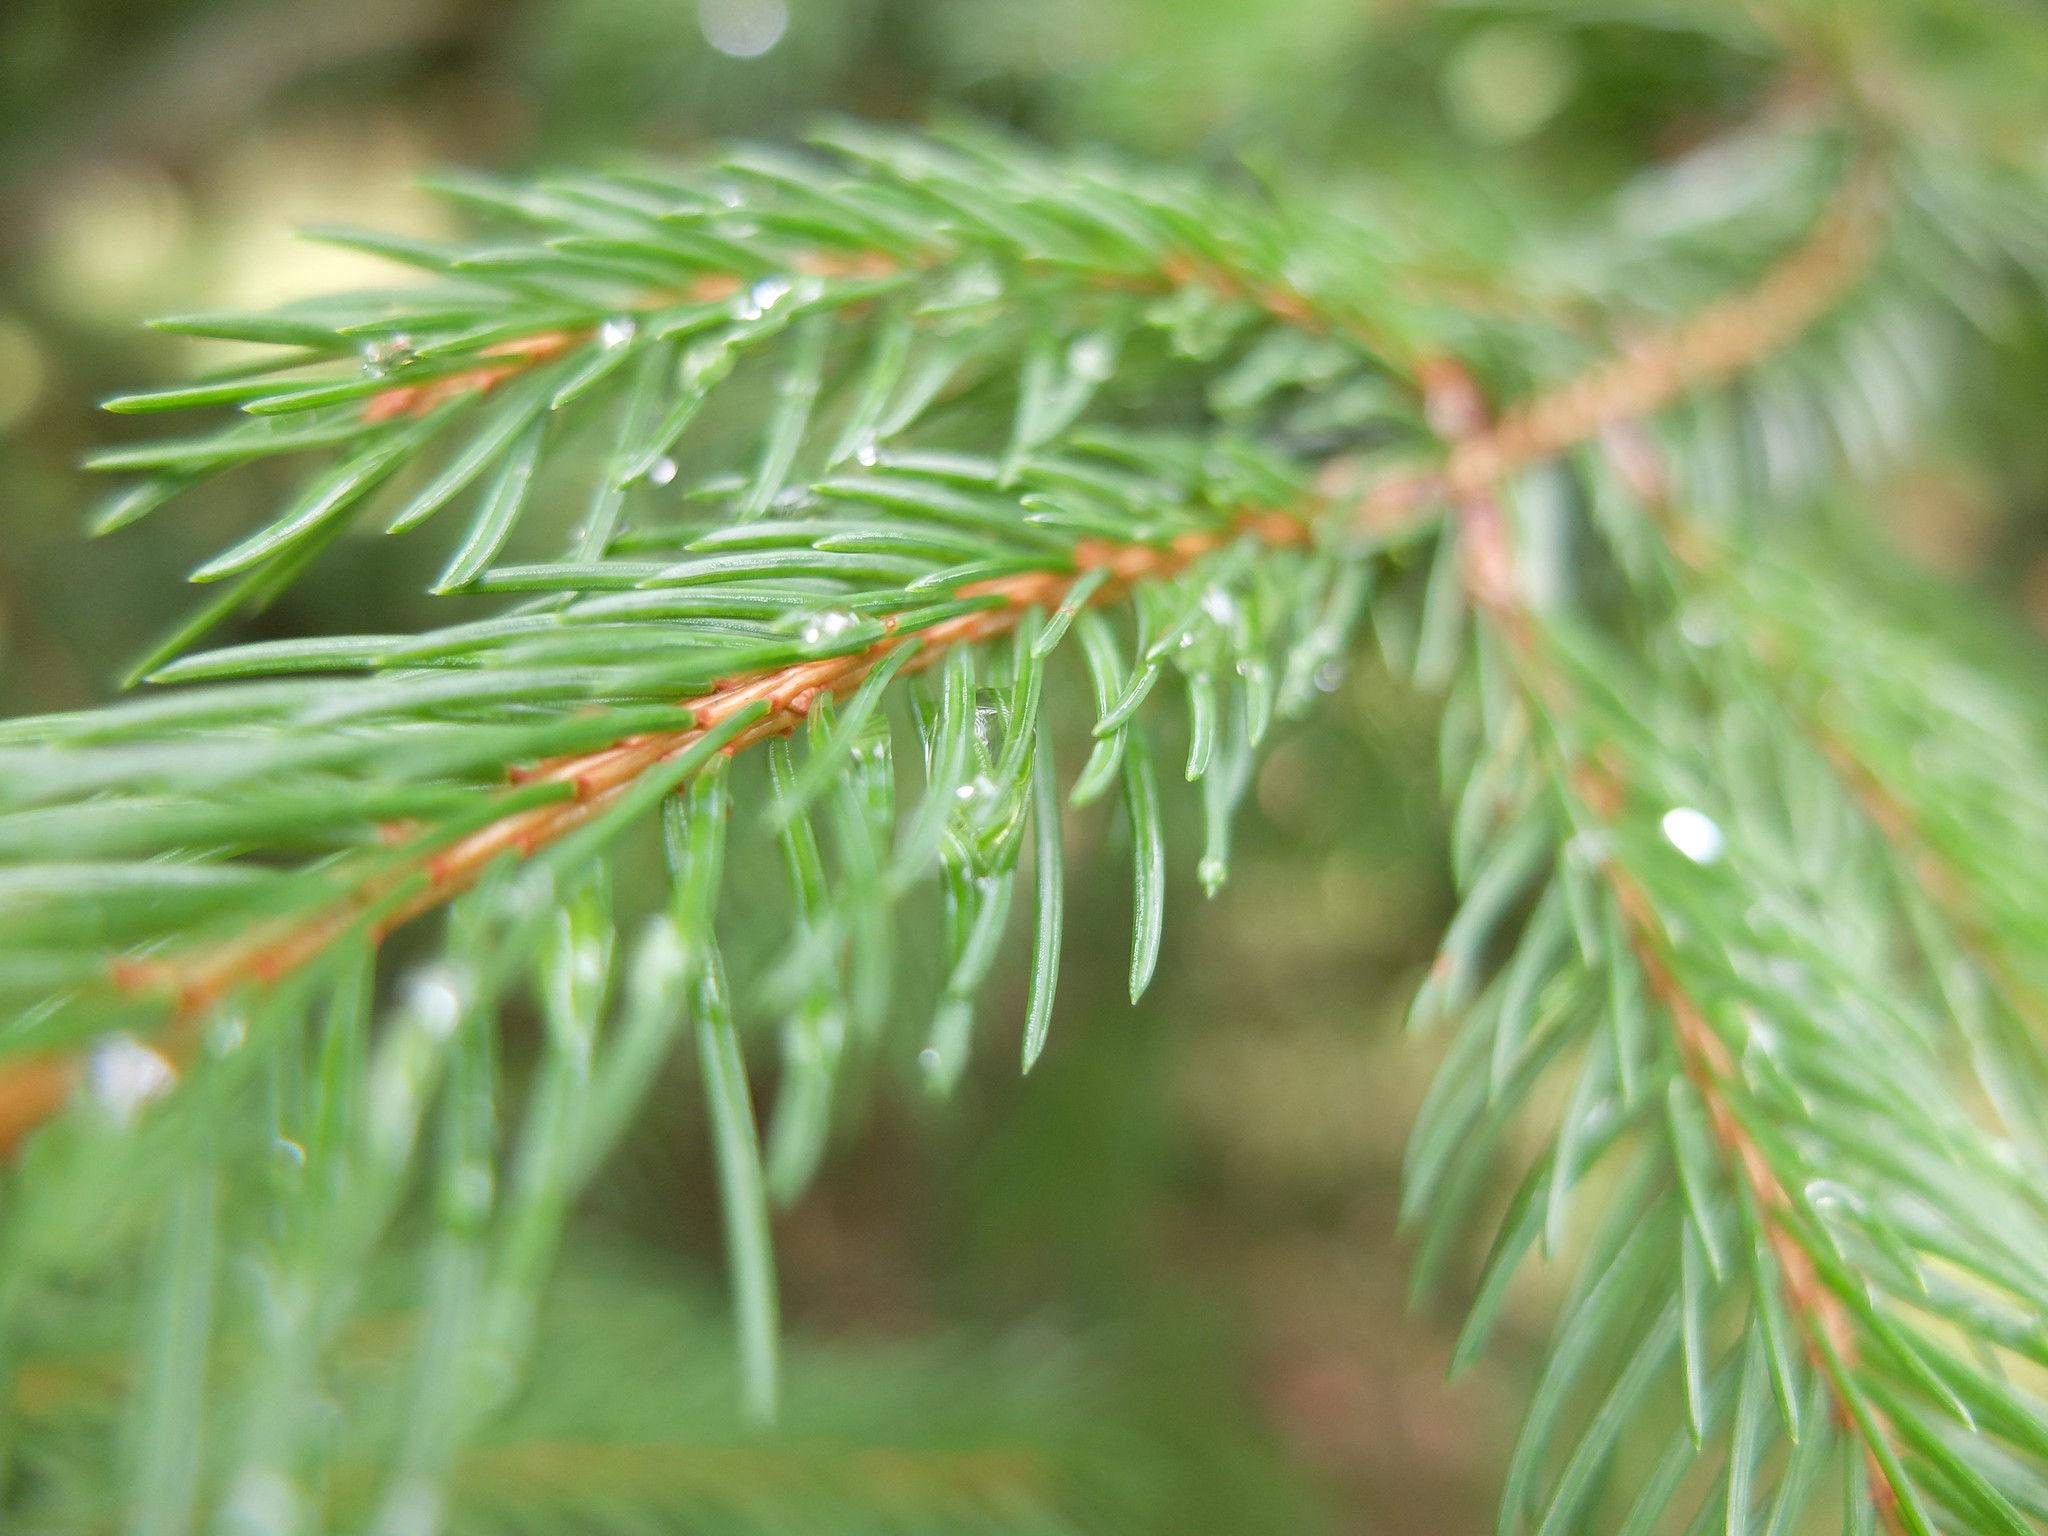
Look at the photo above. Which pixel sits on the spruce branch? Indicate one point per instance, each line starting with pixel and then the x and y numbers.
pixel 1691 355
pixel 1890 1385
pixel 992 400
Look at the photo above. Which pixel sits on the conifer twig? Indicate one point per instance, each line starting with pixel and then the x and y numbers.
pixel 1727 336
pixel 1724 339
pixel 1458 407
pixel 784 695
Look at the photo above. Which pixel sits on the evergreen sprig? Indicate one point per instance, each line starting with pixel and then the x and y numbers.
pixel 1747 895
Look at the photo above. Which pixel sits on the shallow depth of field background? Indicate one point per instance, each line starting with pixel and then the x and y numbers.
pixel 1188 1212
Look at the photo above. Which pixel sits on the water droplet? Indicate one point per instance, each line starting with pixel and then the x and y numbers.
pixel 1219 605
pixel 707 362
pixel 988 725
pixel 729 194
pixel 616 332
pixel 1831 1198
pixel 762 297
pixel 122 1074
pixel 386 355
pixel 930 1059
pixel 1763 1035
pixel 531 893
pixel 435 1000
pixel 1587 850
pixel 1694 834
pixel 225 1035
pixel 289 1151
pixel 1330 676
pixel 964 792
pixel 1701 625
pixel 827 626
pixel 1212 872
pixel 869 454
pixel 1090 358
pixel 661 471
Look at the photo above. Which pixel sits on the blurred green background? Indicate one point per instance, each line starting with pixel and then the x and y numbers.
pixel 1189 1208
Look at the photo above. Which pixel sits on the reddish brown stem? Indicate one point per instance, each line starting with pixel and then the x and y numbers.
pixel 600 777
pixel 1713 345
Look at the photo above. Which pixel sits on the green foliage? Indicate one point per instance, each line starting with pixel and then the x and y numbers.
pixel 869 454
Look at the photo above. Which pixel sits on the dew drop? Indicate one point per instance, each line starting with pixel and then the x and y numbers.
pixel 930 1059
pixel 826 626
pixel 225 1035
pixel 869 455
pixel 589 964
pixel 988 724
pixel 616 332
pixel 1833 1199
pixel 435 1000
pixel 964 792
pixel 1330 676
pixel 1090 358
pixel 1219 605
pixel 764 296
pixel 1694 834
pixel 289 1151
pixel 122 1074
pixel 531 893
pixel 661 471
pixel 386 355
pixel 1212 872
pixel 1701 625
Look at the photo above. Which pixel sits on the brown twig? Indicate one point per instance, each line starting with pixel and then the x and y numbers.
pixel 1720 341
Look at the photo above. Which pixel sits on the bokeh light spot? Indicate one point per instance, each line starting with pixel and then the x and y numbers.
pixel 745 29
